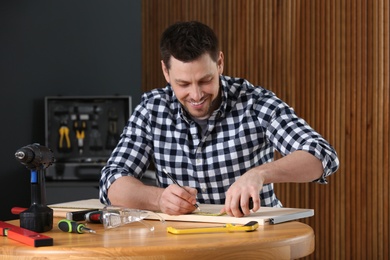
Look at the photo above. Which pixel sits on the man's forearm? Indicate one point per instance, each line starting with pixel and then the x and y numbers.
pixel 130 192
pixel 299 166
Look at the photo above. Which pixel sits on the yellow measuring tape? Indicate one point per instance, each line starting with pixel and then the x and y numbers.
pixel 250 226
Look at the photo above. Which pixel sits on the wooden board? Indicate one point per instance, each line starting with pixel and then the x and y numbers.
pixel 208 214
pixel 263 216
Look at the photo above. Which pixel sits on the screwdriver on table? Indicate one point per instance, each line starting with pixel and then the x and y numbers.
pixel 71 226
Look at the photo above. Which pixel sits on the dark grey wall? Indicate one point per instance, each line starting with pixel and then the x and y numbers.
pixel 62 47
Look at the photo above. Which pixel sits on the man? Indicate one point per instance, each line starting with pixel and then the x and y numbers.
pixel 215 135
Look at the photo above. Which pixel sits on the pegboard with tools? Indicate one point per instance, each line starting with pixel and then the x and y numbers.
pixel 82 132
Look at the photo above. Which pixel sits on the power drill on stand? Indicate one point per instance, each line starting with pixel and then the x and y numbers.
pixel 36 158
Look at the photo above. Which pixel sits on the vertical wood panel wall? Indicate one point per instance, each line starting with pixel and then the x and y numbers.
pixel 329 59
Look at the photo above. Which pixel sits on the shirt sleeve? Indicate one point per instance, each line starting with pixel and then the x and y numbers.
pixel 131 155
pixel 288 133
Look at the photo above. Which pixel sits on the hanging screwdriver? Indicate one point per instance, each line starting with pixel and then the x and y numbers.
pixel 71 226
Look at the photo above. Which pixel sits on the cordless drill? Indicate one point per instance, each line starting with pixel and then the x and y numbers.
pixel 36 158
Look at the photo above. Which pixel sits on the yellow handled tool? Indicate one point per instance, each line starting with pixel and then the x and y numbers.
pixel 79 128
pixel 250 226
pixel 64 136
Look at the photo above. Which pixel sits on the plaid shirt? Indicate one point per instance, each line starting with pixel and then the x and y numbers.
pixel 243 133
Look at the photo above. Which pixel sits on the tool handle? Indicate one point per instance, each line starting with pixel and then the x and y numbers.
pixel 17 210
pixel 94 216
pixel 78 215
pixel 70 226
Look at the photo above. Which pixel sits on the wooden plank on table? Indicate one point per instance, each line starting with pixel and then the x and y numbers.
pixel 208 214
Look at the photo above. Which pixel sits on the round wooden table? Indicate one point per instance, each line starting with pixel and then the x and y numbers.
pixel 289 240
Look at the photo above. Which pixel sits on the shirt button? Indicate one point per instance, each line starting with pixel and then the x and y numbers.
pixel 198 161
pixel 204 189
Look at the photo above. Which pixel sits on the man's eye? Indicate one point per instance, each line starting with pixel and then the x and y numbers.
pixel 183 84
pixel 205 82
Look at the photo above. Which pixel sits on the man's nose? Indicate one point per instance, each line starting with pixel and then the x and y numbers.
pixel 196 92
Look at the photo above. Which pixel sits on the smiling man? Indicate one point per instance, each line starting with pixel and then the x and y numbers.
pixel 196 84
pixel 216 135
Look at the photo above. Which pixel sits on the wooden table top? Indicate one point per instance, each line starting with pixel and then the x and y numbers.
pixel 135 241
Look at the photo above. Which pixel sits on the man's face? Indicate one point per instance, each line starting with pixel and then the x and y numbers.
pixel 196 84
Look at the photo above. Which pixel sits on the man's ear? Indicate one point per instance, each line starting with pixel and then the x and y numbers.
pixel 165 71
pixel 220 63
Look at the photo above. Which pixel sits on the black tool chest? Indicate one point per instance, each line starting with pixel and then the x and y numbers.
pixel 82 131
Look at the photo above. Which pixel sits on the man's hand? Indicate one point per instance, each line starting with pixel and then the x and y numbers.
pixel 130 192
pixel 238 195
pixel 299 166
pixel 177 200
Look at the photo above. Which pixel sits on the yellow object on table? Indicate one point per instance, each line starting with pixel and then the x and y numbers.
pixel 250 226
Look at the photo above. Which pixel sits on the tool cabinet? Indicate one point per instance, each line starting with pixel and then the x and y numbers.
pixel 81 131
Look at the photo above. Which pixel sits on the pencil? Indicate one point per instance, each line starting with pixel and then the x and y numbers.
pixel 175 182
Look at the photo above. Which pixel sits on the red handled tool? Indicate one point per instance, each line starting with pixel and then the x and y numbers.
pixel 17 210
pixel 94 216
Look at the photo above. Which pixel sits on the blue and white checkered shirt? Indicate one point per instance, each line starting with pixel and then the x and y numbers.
pixel 243 133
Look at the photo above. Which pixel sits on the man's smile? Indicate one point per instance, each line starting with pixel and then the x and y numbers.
pixel 195 104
